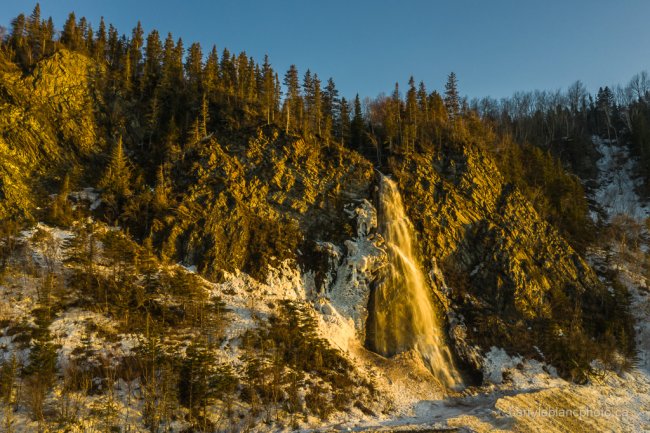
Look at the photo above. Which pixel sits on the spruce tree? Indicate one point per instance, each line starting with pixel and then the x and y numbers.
pixel 69 35
pixel 116 182
pixel 452 100
pixel 344 122
pixel 356 127
pixel 135 54
pixel 330 108
pixel 35 35
pixel 267 93
pixel 153 58
pixel 292 99
pixel 194 71
pixel 317 115
pixel 211 73
pixel 99 47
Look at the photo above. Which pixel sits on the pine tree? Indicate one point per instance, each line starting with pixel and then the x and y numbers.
pixel 35 35
pixel 330 108
pixel 116 182
pixel 211 73
pixel 292 102
pixel 135 54
pixel 317 116
pixel 452 100
pixel 228 73
pixel 205 117
pixel 308 92
pixel 99 47
pixel 69 35
pixel 162 190
pixel 152 64
pixel 344 122
pixel 357 127
pixel 18 39
pixel 242 75
pixel 267 93
pixel 81 35
pixel 194 71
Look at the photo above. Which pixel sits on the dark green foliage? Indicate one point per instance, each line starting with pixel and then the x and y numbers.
pixel 202 379
pixel 291 339
pixel 452 98
pixel 558 196
pixel 116 184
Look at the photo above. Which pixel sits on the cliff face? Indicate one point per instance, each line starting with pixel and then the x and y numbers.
pixel 513 279
pixel 46 117
pixel 252 198
pixel 252 202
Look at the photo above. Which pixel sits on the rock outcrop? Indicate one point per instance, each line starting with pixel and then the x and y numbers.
pixel 514 281
pixel 46 117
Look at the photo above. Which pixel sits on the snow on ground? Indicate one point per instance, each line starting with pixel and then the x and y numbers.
pixel 617 185
pixel 528 396
pixel 518 395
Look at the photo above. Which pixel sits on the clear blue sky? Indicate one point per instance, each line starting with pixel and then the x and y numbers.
pixel 494 46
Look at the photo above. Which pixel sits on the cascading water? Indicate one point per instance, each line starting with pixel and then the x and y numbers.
pixel 403 314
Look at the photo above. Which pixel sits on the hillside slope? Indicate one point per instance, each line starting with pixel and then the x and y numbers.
pixel 281 229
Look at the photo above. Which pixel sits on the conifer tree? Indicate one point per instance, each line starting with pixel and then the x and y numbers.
pixel 135 54
pixel 344 122
pixel 452 100
pixel 18 40
pixel 267 93
pixel 317 109
pixel 69 35
pixel 292 100
pixel 211 73
pixel 194 71
pixel 35 35
pixel 228 73
pixel 81 36
pixel 116 182
pixel 241 74
pixel 99 47
pixel 162 190
pixel 356 127
pixel 308 92
pixel 330 107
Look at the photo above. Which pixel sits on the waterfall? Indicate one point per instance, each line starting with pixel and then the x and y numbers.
pixel 404 317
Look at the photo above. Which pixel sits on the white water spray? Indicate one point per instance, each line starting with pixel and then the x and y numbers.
pixel 404 316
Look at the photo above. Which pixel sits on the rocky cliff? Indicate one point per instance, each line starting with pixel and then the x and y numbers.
pixel 513 279
pixel 47 120
pixel 252 198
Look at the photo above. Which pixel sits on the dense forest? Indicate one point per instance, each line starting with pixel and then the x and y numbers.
pixel 216 160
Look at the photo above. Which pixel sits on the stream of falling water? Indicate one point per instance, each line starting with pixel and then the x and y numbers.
pixel 404 316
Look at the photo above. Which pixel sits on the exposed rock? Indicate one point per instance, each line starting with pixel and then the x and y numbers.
pixel 41 114
pixel 507 268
